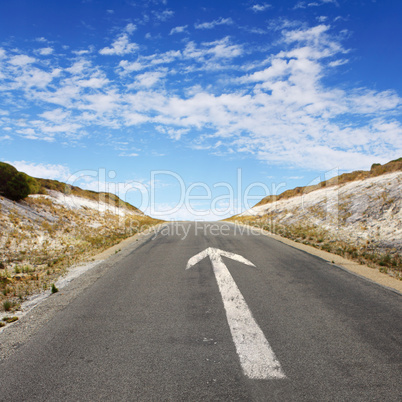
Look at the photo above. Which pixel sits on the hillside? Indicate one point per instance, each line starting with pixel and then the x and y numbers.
pixel 376 170
pixel 357 215
pixel 44 234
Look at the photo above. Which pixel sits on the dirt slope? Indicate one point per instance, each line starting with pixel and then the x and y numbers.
pixel 358 216
pixel 44 234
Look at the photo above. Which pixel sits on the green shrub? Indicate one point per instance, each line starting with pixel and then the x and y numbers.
pixel 7 305
pixel 18 187
pixel 7 172
pixel 34 186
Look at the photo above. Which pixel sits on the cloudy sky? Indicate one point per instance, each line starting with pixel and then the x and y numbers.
pixel 196 110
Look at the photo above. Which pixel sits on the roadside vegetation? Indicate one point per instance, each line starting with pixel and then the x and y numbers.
pixel 356 215
pixel 16 186
pixel 36 249
pixel 376 170
pixel 389 261
pixel 40 237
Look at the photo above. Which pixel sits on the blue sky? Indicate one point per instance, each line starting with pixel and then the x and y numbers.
pixel 195 110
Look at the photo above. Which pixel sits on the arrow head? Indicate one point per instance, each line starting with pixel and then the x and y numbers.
pixel 215 255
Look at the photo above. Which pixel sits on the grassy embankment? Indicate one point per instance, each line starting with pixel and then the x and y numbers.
pixel 387 261
pixel 40 239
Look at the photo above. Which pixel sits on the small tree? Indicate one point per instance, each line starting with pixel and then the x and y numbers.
pixel 18 187
pixel 34 186
pixel 7 172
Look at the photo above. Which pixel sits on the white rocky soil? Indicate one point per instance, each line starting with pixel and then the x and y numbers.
pixel 43 236
pixel 56 220
pixel 362 211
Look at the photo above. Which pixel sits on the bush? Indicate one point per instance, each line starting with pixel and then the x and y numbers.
pixel 7 305
pixel 16 185
pixel 7 172
pixel 17 188
pixel 34 186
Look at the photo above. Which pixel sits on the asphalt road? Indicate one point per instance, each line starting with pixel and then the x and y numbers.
pixel 150 330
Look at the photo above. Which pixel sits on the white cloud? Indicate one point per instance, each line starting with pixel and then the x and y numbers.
pixel 128 67
pixel 65 95
pixel 364 101
pixel 179 29
pixel 223 49
pixel 101 102
pixel 163 15
pixel 130 28
pixel 21 60
pixel 79 67
pixel 316 3
pixel 260 7
pixel 55 115
pixel 132 118
pixel 93 79
pixel 173 133
pixel 35 77
pixel 129 154
pixel 276 108
pixel 67 128
pixel 45 51
pixel 35 134
pixel 83 52
pixel 283 24
pixel 213 24
pixel 120 47
pixel 337 63
pixel 163 58
pixel 42 170
pixel 28 133
pixel 148 79
pixel 218 49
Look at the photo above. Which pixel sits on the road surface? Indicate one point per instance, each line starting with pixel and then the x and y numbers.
pixel 151 330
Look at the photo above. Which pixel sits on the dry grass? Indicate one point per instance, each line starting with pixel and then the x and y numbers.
pixel 357 219
pixel 388 261
pixel 109 198
pixel 376 170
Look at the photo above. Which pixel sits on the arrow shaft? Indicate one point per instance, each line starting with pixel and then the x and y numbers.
pixel 257 358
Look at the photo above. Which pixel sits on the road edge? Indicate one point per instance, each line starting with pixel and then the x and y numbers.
pixel 362 271
pixel 37 314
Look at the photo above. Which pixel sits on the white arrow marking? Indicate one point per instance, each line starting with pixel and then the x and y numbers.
pixel 256 355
